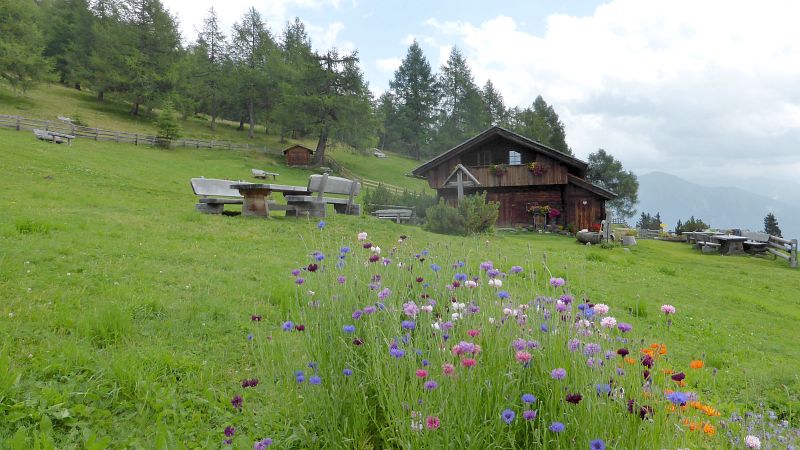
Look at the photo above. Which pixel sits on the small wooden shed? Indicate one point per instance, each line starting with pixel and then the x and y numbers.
pixel 297 155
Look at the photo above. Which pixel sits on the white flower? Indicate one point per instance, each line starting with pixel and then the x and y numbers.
pixel 608 322
pixel 470 284
pixel 436 326
pixel 455 316
pixel 376 250
pixel 426 308
pixel 752 441
pixel 491 320
pixel 523 306
pixel 362 236
pixel 507 311
pixel 400 264
pixel 495 283
pixel 583 323
pixel 11 315
pixel 459 306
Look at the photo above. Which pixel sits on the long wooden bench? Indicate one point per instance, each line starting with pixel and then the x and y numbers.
pixel 315 205
pixel 56 138
pixel 398 214
pixel 257 173
pixel 215 194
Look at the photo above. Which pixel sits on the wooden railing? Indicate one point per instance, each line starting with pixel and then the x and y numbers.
pixel 783 248
pixel 98 134
pixel 517 176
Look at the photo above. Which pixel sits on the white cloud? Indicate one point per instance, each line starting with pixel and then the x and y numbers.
pixel 679 85
pixel 388 65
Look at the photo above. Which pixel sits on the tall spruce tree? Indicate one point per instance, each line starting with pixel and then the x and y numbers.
pixel 771 225
pixel 299 81
pixel 70 39
pixel 253 50
pixel 606 171
pixel 462 111
pixel 495 107
pixel 21 44
pixel 415 96
pixel 211 52
pixel 540 122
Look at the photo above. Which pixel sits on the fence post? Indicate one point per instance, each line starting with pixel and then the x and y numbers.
pixel 96 133
pixel 117 137
pixel 793 254
pixel 136 139
pixel 18 119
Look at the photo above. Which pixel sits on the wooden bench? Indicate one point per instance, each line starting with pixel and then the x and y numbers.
pixel 398 215
pixel 709 247
pixel 56 138
pixel 315 205
pixel 215 194
pixel 263 174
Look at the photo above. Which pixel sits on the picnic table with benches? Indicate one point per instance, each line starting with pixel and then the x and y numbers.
pixel 264 174
pixel 53 136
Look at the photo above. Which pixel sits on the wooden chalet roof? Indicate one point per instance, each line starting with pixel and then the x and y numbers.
pixel 580 182
pixel 490 133
pixel 298 146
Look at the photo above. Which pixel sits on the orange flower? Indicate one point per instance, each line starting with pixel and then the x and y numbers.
pixel 662 350
pixel 693 426
pixel 655 346
pixel 709 429
pixel 667 371
pixel 648 351
pixel 696 364
pixel 681 383
pixel 630 360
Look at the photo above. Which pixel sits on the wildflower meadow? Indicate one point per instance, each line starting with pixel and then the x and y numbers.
pixel 393 345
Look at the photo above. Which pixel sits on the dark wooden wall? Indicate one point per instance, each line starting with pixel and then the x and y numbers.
pixel 578 214
pixel 298 156
pixel 514 202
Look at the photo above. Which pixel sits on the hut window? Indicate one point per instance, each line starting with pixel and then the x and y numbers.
pixel 485 158
pixel 514 158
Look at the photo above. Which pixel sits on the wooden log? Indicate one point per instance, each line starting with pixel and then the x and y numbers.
pixel 793 255
pixel 774 245
pixel 18 120
pixel 780 240
pixel 779 254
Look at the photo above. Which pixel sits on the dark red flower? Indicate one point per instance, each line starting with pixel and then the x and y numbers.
pixel 623 352
pixel 646 374
pixel 357 341
pixel 647 361
pixel 403 237
pixel 374 258
pixel 312 267
pixel 255 318
pixel 367 245
pixel 574 398
pixel 300 327
pixel 645 411
pixel 236 401
pixel 250 383
pixel 679 376
pixel 630 405
pixel 420 279
pixel 456 284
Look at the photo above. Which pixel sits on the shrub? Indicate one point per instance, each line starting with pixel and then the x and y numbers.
pixel 443 218
pixel 376 198
pixel 167 126
pixel 479 215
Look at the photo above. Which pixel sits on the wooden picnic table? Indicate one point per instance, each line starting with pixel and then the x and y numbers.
pixel 255 196
pixel 730 244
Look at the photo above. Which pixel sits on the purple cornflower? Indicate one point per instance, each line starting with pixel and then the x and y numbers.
pixel 288 325
pixel 299 280
pixel 384 293
pixel 357 314
pixel 262 444
pixel 504 294
pixel 515 269
pixel 492 273
pixel 347 372
pixel 544 328
pixel 349 328
pixel 397 352
pixel 566 299
pixel 460 277
pixel 574 345
pixel 410 309
pixel 446 325
pixel 369 309
pixel 528 398
pixel 236 401
pixel 344 250
pixel 341 279
pixel 431 385
pixel 529 414
pixel 592 349
pixel 295 272
pixel 408 325
pixel 508 415
pixel 230 431
pixel 519 344
pixel 315 380
pixel 436 267
pixel 486 265
pixel 597 444
pixel 624 327
pixel 558 374
pixel 557 282
pixel 556 427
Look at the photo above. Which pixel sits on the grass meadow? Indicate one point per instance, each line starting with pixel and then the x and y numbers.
pixel 128 320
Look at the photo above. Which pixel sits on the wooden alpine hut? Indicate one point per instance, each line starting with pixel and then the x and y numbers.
pixel 298 155
pixel 527 178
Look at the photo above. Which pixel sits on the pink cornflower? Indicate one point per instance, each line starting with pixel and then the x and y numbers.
pixel 473 333
pixel 433 423
pixel 362 236
pixel 468 362
pixel 667 309
pixel 557 282
pixel 608 322
pixel 470 284
pixel 448 368
pixel 421 373
pixel 410 309
pixel 601 309
pixel 523 357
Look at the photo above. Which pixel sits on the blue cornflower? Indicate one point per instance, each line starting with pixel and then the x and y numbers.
pixel 344 250
pixel 349 328
pixel 460 277
pixel 528 398
pixel 347 372
pixel 397 352
pixel 312 365
pixel 408 325
pixel 321 224
pixel 425 253
pixel 250 337
pixel 603 389
pixel 319 256
pixel 425 362
pixel 544 328
pixel 288 325
pixel 315 379
pixel 299 376
pixel 436 267
pixel 504 294
pixel 597 444
pixel 678 398
pixel 508 415
pixel 557 427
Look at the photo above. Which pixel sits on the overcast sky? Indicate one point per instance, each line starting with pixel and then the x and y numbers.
pixel 706 90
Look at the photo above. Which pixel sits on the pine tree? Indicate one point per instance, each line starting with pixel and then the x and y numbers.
pixel 212 53
pixel 771 225
pixel 21 45
pixel 496 108
pixel 298 78
pixel 608 172
pixel 414 95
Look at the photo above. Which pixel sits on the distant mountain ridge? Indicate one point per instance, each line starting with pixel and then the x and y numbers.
pixel 721 207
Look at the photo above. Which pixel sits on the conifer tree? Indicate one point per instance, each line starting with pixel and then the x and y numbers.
pixel 21 45
pixel 771 225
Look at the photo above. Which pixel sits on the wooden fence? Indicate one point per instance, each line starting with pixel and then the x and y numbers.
pixel 99 134
pixel 783 248
pixel 647 234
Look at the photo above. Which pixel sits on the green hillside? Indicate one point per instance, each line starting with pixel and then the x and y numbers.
pixel 124 308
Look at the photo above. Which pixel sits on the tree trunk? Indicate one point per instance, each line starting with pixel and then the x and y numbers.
pixel 251 113
pixel 135 110
pixel 100 95
pixel 78 86
pixel 319 158
pixel 213 112
pixel 241 122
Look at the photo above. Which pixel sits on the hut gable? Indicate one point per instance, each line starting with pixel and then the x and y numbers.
pixel 298 155
pixel 519 173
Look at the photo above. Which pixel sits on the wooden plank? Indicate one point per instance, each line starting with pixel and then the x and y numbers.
pixel 779 254
pixel 780 240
